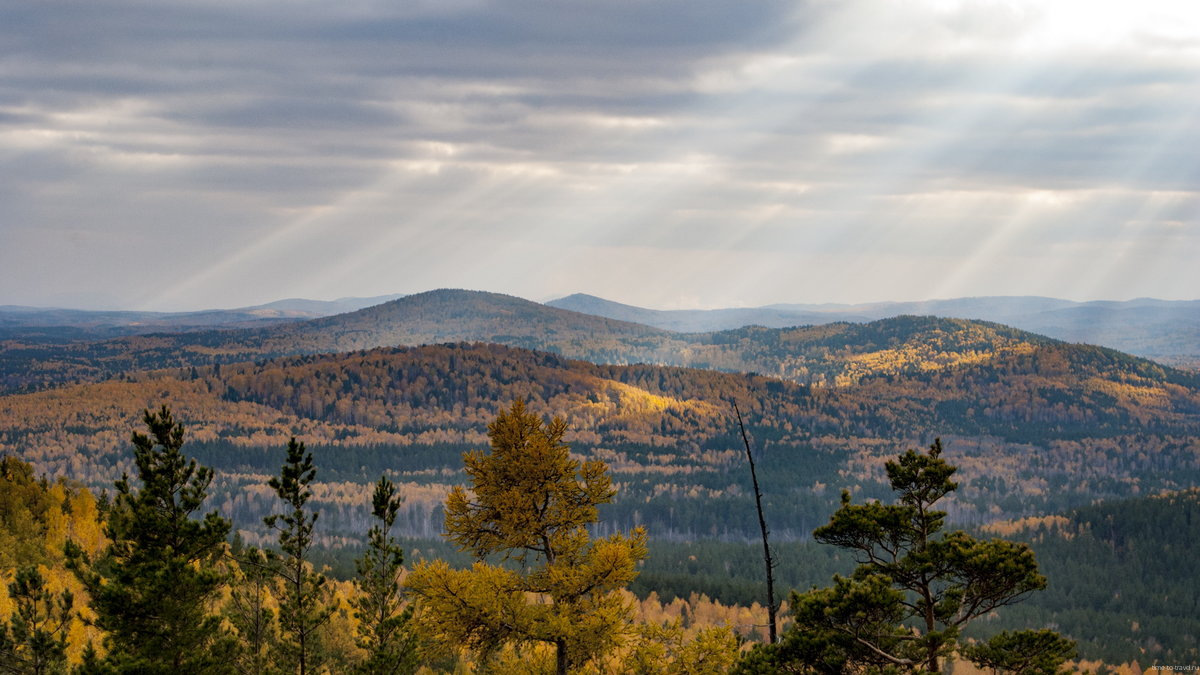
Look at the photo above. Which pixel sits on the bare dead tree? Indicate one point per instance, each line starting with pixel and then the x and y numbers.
pixel 768 561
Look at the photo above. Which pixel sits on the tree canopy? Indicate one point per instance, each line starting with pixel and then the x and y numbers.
pixel 530 504
pixel 151 587
pixel 914 590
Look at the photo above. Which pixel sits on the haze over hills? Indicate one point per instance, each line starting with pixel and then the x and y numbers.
pixel 1167 331
pixel 74 324
pixel 828 354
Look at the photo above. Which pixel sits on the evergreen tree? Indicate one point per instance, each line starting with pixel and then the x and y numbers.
pixel 383 626
pixel 151 588
pixel 532 504
pixel 304 597
pixel 35 640
pixel 914 590
pixel 1024 652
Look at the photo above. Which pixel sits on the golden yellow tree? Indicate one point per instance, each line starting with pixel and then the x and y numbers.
pixel 529 506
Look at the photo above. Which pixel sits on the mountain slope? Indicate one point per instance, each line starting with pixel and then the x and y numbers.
pixel 1121 578
pixel 1166 331
pixel 67 325
pixel 832 354
pixel 1034 431
pixel 700 320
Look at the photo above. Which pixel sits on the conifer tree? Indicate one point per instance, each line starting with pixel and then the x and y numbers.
pixel 151 587
pixel 35 640
pixel 383 625
pixel 304 597
pixel 531 504
pixel 914 590
pixel 1023 652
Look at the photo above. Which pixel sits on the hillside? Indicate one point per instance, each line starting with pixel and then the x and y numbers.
pixel 1166 331
pixel 1037 429
pixel 702 320
pixel 1119 576
pixel 64 325
pixel 829 355
pixel 425 318
pixel 1122 578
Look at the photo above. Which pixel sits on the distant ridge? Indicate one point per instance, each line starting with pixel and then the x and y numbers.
pixel 700 320
pixel 22 320
pixel 1167 331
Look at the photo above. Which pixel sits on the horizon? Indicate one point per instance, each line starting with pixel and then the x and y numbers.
pixel 556 297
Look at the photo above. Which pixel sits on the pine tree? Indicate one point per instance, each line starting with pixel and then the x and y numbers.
pixel 383 625
pixel 35 640
pixel 1024 652
pixel 304 597
pixel 151 587
pixel 914 590
pixel 530 503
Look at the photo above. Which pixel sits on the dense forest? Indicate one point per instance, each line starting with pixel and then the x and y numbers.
pixel 1034 434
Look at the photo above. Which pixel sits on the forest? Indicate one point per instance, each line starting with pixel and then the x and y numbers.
pixel 79 571
pixel 1041 435
pixel 1034 435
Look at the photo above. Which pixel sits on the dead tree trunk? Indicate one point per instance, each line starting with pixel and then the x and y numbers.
pixel 762 524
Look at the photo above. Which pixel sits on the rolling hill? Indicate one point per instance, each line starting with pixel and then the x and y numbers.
pixel 831 354
pixel 1035 429
pixel 72 325
pixel 1166 331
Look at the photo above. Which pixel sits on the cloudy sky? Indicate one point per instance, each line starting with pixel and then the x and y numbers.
pixel 675 153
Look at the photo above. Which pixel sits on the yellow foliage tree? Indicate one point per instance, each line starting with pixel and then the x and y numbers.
pixel 531 504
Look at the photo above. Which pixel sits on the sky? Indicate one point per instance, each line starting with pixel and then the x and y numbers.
pixel 671 154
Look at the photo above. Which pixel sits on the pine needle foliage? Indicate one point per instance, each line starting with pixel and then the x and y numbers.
pixel 914 590
pixel 151 588
pixel 305 599
pixel 253 576
pixel 383 623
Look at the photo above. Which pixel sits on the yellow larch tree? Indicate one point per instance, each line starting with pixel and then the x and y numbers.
pixel 529 505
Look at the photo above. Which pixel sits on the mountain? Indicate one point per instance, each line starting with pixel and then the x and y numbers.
pixel 58 325
pixel 318 308
pixel 701 320
pixel 1163 330
pixel 832 354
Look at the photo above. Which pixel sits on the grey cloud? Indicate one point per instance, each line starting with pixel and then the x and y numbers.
pixel 681 125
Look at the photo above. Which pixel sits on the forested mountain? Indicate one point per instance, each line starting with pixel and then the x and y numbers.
pixel 833 354
pixel 426 318
pixel 1034 429
pixel 704 320
pixel 1163 330
pixel 1036 426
